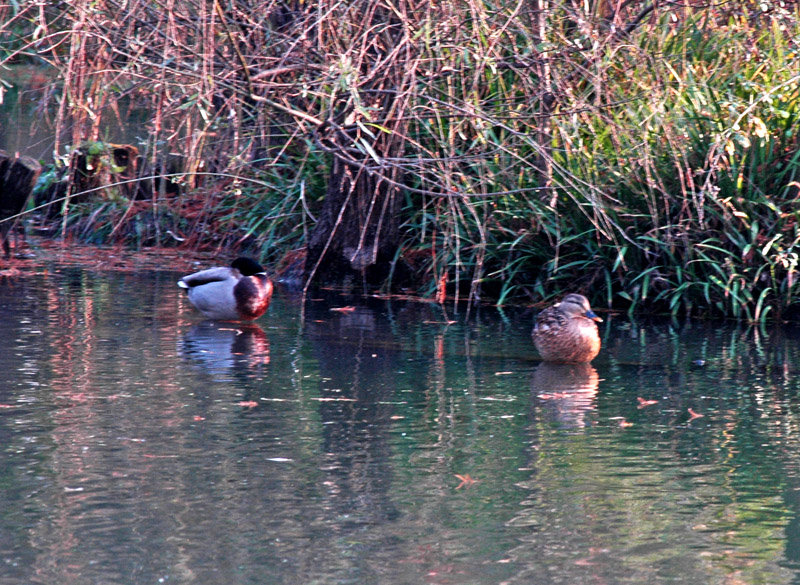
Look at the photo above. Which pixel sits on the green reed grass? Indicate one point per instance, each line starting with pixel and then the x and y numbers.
pixel 652 165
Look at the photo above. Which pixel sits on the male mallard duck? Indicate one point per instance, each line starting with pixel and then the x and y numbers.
pixel 240 291
pixel 566 332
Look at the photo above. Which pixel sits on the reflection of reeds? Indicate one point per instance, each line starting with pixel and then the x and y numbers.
pixel 653 161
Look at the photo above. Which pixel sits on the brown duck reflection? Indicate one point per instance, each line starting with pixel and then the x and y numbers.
pixel 565 392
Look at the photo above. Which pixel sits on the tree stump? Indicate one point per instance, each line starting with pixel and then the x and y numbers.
pixel 106 168
pixel 17 179
pixel 356 237
pixel 97 170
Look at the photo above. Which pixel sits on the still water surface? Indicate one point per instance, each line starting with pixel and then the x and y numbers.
pixel 142 445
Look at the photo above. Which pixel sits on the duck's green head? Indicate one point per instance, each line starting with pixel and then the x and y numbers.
pixel 247 266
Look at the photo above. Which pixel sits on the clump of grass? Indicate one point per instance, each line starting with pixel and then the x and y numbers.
pixel 644 154
pixel 674 193
pixel 711 200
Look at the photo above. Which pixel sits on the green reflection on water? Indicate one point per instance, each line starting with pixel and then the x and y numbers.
pixel 383 446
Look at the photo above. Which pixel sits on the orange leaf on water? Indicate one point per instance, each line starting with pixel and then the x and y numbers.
pixel 693 415
pixel 347 309
pixel 247 403
pixel 466 481
pixel 643 402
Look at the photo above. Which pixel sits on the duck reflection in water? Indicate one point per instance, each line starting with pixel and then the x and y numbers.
pixel 565 392
pixel 222 346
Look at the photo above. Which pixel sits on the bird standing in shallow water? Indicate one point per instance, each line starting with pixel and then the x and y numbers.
pixel 566 332
pixel 241 291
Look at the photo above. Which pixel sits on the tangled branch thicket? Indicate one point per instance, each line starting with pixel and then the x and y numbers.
pixel 644 153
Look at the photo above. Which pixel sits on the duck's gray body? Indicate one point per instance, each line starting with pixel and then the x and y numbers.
pixel 241 291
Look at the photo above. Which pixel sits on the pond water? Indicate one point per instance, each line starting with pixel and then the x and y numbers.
pixel 142 445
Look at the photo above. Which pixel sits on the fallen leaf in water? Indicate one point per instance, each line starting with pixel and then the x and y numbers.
pixel 322 399
pixel 590 560
pixel 625 424
pixel 247 403
pixel 693 415
pixel 466 481
pixel 8 406
pixel 198 418
pixel 343 309
pixel 552 396
pixel 643 402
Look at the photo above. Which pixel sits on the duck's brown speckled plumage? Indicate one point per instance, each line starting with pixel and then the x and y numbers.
pixel 566 332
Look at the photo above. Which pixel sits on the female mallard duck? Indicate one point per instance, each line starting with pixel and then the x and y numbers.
pixel 566 332
pixel 241 291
